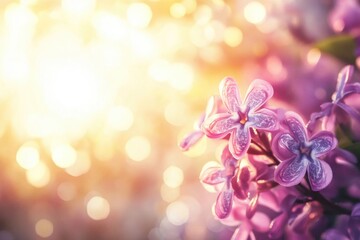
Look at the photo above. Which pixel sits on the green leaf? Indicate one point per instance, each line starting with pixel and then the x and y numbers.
pixel 341 47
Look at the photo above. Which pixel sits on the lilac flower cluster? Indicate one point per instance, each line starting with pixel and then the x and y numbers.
pixel 280 178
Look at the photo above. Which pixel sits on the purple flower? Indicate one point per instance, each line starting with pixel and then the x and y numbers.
pixel 222 175
pixel 246 227
pixel 213 106
pixel 328 110
pixel 299 154
pixel 240 117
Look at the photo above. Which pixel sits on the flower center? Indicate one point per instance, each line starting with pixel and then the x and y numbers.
pixel 243 118
pixel 305 150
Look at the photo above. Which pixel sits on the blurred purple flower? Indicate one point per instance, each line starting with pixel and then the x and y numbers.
pixel 345 17
pixel 279 223
pixel 328 110
pixel 299 154
pixel 240 117
pixel 332 234
pixel 246 227
pixel 214 105
pixel 354 222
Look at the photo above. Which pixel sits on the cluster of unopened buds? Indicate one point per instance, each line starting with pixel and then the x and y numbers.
pixel 280 178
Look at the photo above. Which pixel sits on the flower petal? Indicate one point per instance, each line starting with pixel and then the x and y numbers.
pixel 296 126
pixel 351 88
pixel 264 119
pixel 226 155
pixel 219 125
pixel 326 109
pixel 243 232
pixel 230 95
pixel 278 225
pixel 319 173
pixel 354 223
pixel 322 143
pixel 190 140
pixel 342 79
pixel 239 142
pixel 258 93
pixel 213 106
pixel 223 203
pixel 291 172
pixel 252 207
pixel 240 184
pixel 284 146
pixel 213 176
pixel 351 111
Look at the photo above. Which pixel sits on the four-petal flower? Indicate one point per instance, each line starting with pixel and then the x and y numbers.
pixel 299 154
pixel 222 175
pixel 240 117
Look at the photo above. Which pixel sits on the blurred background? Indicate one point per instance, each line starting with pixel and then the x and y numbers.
pixel 96 94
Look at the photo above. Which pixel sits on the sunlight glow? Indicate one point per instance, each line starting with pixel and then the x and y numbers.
pixel 78 7
pixel 120 118
pixel 70 89
pixel 177 10
pixel 139 15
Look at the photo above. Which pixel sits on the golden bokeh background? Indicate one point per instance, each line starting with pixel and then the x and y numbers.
pixel 94 97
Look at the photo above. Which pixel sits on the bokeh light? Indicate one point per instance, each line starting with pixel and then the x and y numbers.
pixel 39 175
pixel 28 155
pixel 254 12
pixel 63 155
pixel 139 15
pixel 44 228
pixel 233 36
pixel 98 208
pixel 138 148
pixel 66 191
pixel 178 213
pixel 173 176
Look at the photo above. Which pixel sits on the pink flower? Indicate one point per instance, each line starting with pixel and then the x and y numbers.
pixel 222 175
pixel 240 117
pixel 299 154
